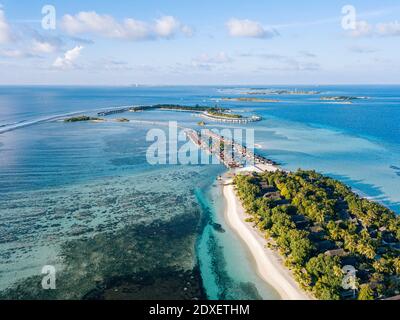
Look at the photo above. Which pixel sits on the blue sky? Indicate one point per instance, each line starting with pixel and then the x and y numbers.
pixel 200 42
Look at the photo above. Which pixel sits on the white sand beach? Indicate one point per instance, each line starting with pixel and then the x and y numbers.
pixel 269 263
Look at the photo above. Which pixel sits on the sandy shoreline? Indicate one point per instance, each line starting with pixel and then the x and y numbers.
pixel 269 264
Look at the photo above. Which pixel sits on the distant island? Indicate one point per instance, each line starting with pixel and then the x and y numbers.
pixel 339 99
pixel 342 99
pixel 171 107
pixel 82 118
pixel 281 92
pixel 211 113
pixel 320 226
pixel 251 100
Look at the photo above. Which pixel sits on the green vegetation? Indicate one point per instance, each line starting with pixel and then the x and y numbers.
pixel 81 118
pixel 366 293
pixel 201 123
pixel 221 147
pixel 319 225
pixel 215 112
pixel 211 111
pixel 196 108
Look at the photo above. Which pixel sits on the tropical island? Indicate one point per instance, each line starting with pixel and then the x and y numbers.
pixel 122 120
pixel 218 113
pixel 211 113
pixel 169 107
pixel 215 114
pixel 256 91
pixel 82 118
pixel 260 100
pixel 340 99
pixel 319 226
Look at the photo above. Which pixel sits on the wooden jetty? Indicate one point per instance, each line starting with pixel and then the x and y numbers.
pixel 232 154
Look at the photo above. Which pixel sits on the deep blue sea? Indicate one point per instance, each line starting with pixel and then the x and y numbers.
pixel 62 183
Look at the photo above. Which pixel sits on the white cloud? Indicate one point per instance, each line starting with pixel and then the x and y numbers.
pixel 84 22
pixel 284 63
pixel 249 29
pixel 362 29
pixel 68 60
pixel 221 57
pixel 31 48
pixel 362 49
pixel 166 26
pixel 132 30
pixel 187 31
pixel 27 44
pixel 43 47
pixel 115 65
pixel 17 53
pixel 12 53
pixel 106 64
pixel 5 30
pixel 388 29
pixel 129 29
pixel 385 29
pixel 307 54
pixel 209 62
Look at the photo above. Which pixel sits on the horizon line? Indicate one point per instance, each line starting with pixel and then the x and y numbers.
pixel 194 85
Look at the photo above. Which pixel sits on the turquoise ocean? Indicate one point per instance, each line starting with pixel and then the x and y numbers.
pixel 82 197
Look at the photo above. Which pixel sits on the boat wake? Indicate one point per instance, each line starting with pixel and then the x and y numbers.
pixel 27 123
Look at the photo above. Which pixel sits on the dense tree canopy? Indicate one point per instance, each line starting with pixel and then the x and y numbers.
pixel 317 223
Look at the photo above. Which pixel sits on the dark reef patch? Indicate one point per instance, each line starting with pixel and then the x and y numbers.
pixel 396 170
pixel 217 227
pixel 143 261
pixel 160 284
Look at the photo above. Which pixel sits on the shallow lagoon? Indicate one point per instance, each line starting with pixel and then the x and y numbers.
pixel 114 226
pixel 82 197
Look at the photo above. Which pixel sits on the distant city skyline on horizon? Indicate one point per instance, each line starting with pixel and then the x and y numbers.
pixel 229 43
